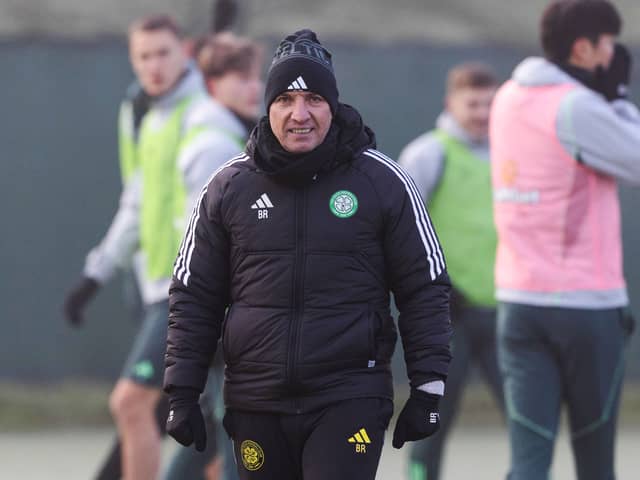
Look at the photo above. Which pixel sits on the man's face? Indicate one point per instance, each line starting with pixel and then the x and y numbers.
pixel 470 107
pixel 590 56
pixel 300 120
pixel 158 59
pixel 240 92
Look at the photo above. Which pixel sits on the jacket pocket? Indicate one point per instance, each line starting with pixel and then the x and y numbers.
pixel 384 338
pixel 373 321
pixel 337 337
pixel 224 334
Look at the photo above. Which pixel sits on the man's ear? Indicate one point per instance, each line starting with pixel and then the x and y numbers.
pixel 581 49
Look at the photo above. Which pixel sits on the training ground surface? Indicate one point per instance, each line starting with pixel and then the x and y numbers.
pixel 478 453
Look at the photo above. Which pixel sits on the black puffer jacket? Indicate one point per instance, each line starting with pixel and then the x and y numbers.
pixel 303 252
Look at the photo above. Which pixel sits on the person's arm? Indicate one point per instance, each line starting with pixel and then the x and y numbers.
pixel 115 250
pixel 420 284
pixel 418 279
pixel 198 289
pixel 198 295
pixel 423 159
pixel 122 237
pixel 604 136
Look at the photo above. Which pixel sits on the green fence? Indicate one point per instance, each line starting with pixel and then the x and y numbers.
pixel 60 182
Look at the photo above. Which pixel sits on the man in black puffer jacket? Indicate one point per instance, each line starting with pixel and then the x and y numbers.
pixel 290 255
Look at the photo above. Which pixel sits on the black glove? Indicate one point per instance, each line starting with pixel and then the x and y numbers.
pixel 77 300
pixel 185 422
pixel 418 419
pixel 613 82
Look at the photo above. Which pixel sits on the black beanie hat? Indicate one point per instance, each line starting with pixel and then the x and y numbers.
pixel 301 63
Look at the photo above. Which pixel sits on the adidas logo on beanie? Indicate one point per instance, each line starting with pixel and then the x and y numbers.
pixel 301 63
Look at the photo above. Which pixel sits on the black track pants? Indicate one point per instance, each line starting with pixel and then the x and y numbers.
pixel 341 442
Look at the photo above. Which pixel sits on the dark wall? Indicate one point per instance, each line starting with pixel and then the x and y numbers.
pixel 60 182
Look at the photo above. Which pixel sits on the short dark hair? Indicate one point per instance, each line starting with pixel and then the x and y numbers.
pixel 470 75
pixel 224 52
pixel 565 21
pixel 154 23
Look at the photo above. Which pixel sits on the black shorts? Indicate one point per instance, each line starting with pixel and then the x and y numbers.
pixel 145 363
pixel 340 442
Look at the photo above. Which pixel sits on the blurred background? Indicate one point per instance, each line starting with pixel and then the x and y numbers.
pixel 64 69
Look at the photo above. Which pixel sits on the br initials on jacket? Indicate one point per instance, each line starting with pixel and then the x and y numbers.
pixel 263 204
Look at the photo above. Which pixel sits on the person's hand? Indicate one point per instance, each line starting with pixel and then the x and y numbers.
pixel 418 419
pixel 613 82
pixel 77 300
pixel 185 422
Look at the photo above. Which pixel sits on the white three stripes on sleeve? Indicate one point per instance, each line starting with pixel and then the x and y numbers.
pixel 181 269
pixel 430 242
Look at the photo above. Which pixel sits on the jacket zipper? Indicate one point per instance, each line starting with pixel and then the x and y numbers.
pixel 298 292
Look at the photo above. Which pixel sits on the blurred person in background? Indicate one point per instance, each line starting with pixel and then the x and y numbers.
pixel 132 109
pixel 173 152
pixel 562 135
pixel 290 256
pixel 451 168
pixel 232 67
